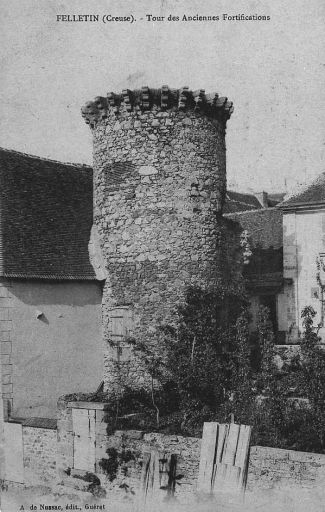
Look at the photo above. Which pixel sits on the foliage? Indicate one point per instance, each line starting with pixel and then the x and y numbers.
pixel 110 465
pixel 132 409
pixel 313 373
pixel 203 357
pixel 242 395
pixel 292 413
pixel 118 460
pixel 207 366
pixel 94 486
pixel 198 364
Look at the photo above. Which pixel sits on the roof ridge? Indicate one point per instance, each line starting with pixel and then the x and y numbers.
pixel 241 193
pixel 257 210
pixel 71 164
pixel 242 202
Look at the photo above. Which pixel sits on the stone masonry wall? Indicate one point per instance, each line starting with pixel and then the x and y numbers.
pixel 6 346
pixel 159 185
pixel 40 455
pixel 272 467
pixel 268 467
pixel 127 481
pixel 65 439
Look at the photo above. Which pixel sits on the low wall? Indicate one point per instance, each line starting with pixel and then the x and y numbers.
pixel 40 455
pixel 272 467
pixel 268 467
pixel 128 476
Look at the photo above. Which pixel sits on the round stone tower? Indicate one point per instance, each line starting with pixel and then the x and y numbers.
pixel 159 186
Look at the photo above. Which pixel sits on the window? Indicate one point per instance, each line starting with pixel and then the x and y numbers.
pixel 120 328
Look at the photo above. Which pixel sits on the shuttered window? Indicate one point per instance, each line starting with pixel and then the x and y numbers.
pixel 120 328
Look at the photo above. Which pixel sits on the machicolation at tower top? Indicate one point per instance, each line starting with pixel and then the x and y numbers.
pixel 159 187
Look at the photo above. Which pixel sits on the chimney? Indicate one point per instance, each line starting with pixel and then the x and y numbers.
pixel 262 198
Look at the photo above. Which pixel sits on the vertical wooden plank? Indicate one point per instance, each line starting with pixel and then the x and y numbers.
pixel 154 472
pixel 221 442
pixel 230 470
pixel 172 474
pixel 220 448
pixel 164 461
pixel 243 445
pixel 153 489
pixel 129 323
pixel 119 324
pixel 83 421
pixel 145 473
pixel 207 456
pixel 157 479
pixel 167 474
pixel 13 451
pixel 242 455
pixel 231 444
pixel 227 479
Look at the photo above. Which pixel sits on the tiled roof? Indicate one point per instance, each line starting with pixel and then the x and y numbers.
pixel 264 252
pixel 46 216
pixel 276 198
pixel 313 194
pixel 237 202
pixel 264 227
pixel 41 423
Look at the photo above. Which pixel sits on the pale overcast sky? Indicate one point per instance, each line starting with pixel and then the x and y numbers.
pixel 272 70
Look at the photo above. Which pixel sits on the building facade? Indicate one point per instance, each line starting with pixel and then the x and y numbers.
pixel 304 255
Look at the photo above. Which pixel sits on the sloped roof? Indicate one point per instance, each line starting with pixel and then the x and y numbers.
pixel 264 227
pixel 41 423
pixel 313 194
pixel 46 215
pixel 274 199
pixel 237 202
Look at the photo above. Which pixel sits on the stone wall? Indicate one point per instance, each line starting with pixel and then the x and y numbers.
pixel 187 450
pixel 159 185
pixel 6 345
pixel 272 467
pixel 65 439
pixel 40 455
pixel 268 467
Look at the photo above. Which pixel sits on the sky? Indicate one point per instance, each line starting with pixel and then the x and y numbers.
pixel 273 71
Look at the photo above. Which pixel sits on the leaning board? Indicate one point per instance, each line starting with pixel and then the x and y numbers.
pixel 224 457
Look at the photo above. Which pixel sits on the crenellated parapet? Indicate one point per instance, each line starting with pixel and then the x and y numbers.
pixel 144 99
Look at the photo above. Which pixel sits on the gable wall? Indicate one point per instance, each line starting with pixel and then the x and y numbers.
pixel 303 241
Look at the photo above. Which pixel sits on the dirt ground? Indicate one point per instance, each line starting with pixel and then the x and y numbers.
pixel 280 500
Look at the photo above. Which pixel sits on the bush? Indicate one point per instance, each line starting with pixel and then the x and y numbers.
pixel 199 365
pixel 201 370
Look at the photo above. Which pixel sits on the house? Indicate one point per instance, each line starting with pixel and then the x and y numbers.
pixel 50 298
pixel 262 241
pixel 285 252
pixel 304 254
